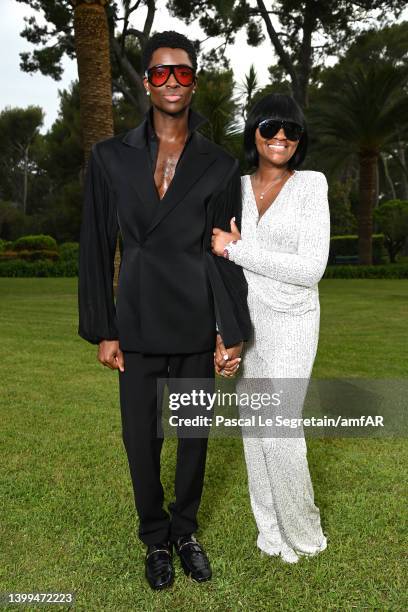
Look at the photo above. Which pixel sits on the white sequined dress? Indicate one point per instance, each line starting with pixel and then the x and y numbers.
pixel 284 256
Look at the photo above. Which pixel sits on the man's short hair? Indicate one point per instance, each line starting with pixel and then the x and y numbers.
pixel 170 39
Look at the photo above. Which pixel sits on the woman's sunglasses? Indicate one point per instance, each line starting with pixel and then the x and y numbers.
pixel 268 128
pixel 160 74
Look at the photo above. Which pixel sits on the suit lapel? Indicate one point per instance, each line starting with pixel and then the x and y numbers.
pixel 141 173
pixel 194 162
pixel 138 168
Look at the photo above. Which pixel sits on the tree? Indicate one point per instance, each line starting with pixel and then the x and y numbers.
pixel 392 219
pixel 61 159
pixel 215 100
pixel 63 155
pixel 93 58
pixel 342 220
pixel 19 128
pixel 12 221
pixel 389 44
pixel 303 33
pixel 56 39
pixel 128 48
pixel 79 29
pixel 358 117
pixel 301 23
pixel 95 82
pixel 56 187
pixel 249 89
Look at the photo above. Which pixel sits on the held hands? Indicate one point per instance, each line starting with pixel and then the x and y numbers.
pixel 227 361
pixel 110 355
pixel 220 238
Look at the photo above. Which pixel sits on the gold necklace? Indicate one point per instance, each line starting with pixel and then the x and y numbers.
pixel 276 180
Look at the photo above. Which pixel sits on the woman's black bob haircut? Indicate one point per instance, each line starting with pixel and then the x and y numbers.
pixel 275 106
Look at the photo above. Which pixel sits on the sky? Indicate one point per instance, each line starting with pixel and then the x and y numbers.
pixel 21 89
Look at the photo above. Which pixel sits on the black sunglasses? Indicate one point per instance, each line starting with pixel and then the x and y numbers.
pixel 268 128
pixel 160 74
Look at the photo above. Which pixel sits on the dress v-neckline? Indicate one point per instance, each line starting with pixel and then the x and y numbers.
pixel 272 204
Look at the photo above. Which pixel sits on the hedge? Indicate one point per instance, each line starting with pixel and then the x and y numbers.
pixel 21 268
pixel 28 255
pixel 31 256
pixel 381 271
pixel 348 246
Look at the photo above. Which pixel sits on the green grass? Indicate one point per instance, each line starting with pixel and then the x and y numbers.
pixel 68 521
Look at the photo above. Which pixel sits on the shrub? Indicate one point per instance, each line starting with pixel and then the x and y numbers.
pixel 35 243
pixel 69 251
pixel 13 222
pixel 5 245
pixel 348 246
pixel 392 218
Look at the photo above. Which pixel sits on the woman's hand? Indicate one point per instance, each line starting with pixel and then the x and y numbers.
pixel 227 361
pixel 220 238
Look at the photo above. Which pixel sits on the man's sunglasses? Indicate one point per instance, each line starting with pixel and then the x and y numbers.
pixel 160 74
pixel 268 128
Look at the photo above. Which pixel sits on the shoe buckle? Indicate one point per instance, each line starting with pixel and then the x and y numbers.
pixel 158 550
pixel 185 544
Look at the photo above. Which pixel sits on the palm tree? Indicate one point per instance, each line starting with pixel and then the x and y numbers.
pixel 248 89
pixel 364 114
pixel 95 81
pixel 215 100
pixel 94 71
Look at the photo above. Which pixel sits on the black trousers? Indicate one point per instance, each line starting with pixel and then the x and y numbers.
pixel 138 402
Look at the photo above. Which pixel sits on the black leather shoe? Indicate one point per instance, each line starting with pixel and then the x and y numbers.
pixel 193 559
pixel 159 570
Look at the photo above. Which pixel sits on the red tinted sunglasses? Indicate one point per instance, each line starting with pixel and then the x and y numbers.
pixel 160 74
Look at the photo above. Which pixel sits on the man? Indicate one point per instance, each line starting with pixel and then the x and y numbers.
pixel 165 186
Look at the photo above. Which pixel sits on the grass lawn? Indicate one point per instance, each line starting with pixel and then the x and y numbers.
pixel 68 519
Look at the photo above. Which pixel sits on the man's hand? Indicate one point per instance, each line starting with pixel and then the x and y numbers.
pixel 220 238
pixel 227 361
pixel 110 355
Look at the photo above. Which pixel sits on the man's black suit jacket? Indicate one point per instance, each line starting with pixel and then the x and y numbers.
pixel 172 290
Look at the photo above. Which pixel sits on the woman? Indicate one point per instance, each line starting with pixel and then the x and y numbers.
pixel 283 248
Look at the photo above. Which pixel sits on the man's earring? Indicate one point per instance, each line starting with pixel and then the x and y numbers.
pixel 194 91
pixel 147 92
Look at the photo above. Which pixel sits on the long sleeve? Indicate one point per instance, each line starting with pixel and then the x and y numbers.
pixel 99 229
pixel 307 266
pixel 227 279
